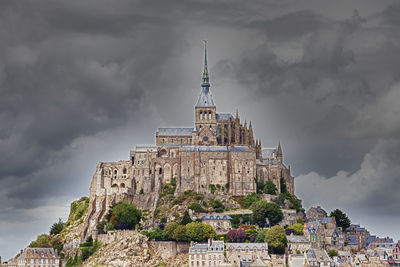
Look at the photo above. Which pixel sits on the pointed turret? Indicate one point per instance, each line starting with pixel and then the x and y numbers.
pixel 251 137
pixel 205 98
pixel 279 154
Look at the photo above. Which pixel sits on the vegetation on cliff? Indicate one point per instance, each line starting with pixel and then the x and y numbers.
pixel 122 216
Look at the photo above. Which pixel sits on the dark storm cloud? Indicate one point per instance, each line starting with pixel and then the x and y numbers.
pixel 81 81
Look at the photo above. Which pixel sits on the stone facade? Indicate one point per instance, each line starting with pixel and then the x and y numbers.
pixel 239 253
pixel 206 255
pixel 33 257
pixel 220 152
pixel 221 223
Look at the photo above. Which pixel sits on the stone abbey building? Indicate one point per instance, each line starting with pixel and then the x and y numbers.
pixel 219 151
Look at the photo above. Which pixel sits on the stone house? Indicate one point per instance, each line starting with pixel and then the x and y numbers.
pixel 314 232
pixel 314 212
pixel 238 253
pixel 317 258
pixel 290 217
pixel 34 257
pixel 298 243
pixel 396 253
pixel 206 255
pixel 221 223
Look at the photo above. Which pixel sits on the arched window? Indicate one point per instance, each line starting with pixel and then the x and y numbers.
pixel 122 185
pixel 115 172
pixel 124 171
pixel 201 115
pixel 160 171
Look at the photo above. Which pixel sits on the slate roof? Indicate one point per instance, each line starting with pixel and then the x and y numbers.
pixel 224 116
pixel 268 153
pixel 297 239
pixel 318 255
pixel 174 131
pixel 216 148
pixel 38 253
pixel 205 98
pixel 198 248
pixel 247 245
pixel 324 219
pixel 352 240
pixel 216 217
pixel 312 226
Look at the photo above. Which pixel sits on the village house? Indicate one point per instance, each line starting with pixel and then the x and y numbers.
pixel 35 257
pixel 206 255
pixel 220 223
pixel 298 244
pixel 238 253
pixel 314 212
pixel 317 258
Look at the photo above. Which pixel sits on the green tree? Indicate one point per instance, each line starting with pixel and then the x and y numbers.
pixel 170 228
pixel 283 186
pixel 270 188
pixel 276 239
pixel 179 233
pixel 262 210
pixel 260 237
pixel 333 252
pixel 196 231
pixel 186 218
pixel 125 215
pixel 196 207
pixel 298 228
pixel 57 227
pixel 341 219
pixel 249 200
pixel 42 241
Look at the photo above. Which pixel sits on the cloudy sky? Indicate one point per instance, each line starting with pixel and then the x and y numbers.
pixel 85 81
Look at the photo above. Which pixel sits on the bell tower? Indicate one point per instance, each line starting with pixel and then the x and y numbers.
pixel 205 109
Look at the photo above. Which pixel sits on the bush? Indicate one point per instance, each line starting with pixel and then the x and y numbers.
pixel 238 219
pixel 212 188
pixel 125 215
pixel 237 235
pixel 163 220
pixel 263 210
pixel 57 227
pixel 196 231
pixel 297 228
pixel 179 233
pixel 333 252
pixel 42 241
pixel 276 239
pixel 170 228
pixel 186 218
pixel 196 207
pixel 270 188
pixel 260 237
pixel 249 200
pixel 217 205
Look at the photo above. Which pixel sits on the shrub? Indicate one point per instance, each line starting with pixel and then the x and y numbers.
pixel 263 210
pixel 57 227
pixel 237 235
pixel 125 215
pixel 276 239
pixel 179 233
pixel 249 200
pixel 212 188
pixel 186 218
pixel 196 207
pixel 170 228
pixel 297 228
pixel 333 252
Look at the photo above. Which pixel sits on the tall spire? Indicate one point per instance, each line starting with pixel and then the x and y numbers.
pixel 206 78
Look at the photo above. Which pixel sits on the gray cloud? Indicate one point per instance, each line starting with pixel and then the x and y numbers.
pixel 82 82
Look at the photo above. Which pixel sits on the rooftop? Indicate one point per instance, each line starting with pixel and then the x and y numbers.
pixel 174 131
pixel 216 217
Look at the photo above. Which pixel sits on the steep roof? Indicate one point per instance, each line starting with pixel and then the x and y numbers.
pixel 224 116
pixel 38 253
pixel 174 131
pixel 216 217
pixel 205 98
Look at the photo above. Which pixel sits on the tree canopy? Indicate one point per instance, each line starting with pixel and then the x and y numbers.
pixel 125 215
pixel 57 227
pixel 276 239
pixel 262 210
pixel 341 219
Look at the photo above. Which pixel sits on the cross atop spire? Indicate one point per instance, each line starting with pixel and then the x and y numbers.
pixel 206 78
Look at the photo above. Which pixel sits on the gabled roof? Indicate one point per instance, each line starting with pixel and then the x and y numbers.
pixel 216 217
pixel 247 245
pixel 297 239
pixel 174 131
pixel 205 98
pixel 38 253
pixel 224 116
pixel 324 219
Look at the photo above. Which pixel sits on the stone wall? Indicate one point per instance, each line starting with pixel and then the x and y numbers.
pixel 170 249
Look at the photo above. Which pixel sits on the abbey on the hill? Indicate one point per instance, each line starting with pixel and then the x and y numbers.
pixel 218 152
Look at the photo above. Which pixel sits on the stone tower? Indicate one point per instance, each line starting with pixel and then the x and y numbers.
pixel 205 110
